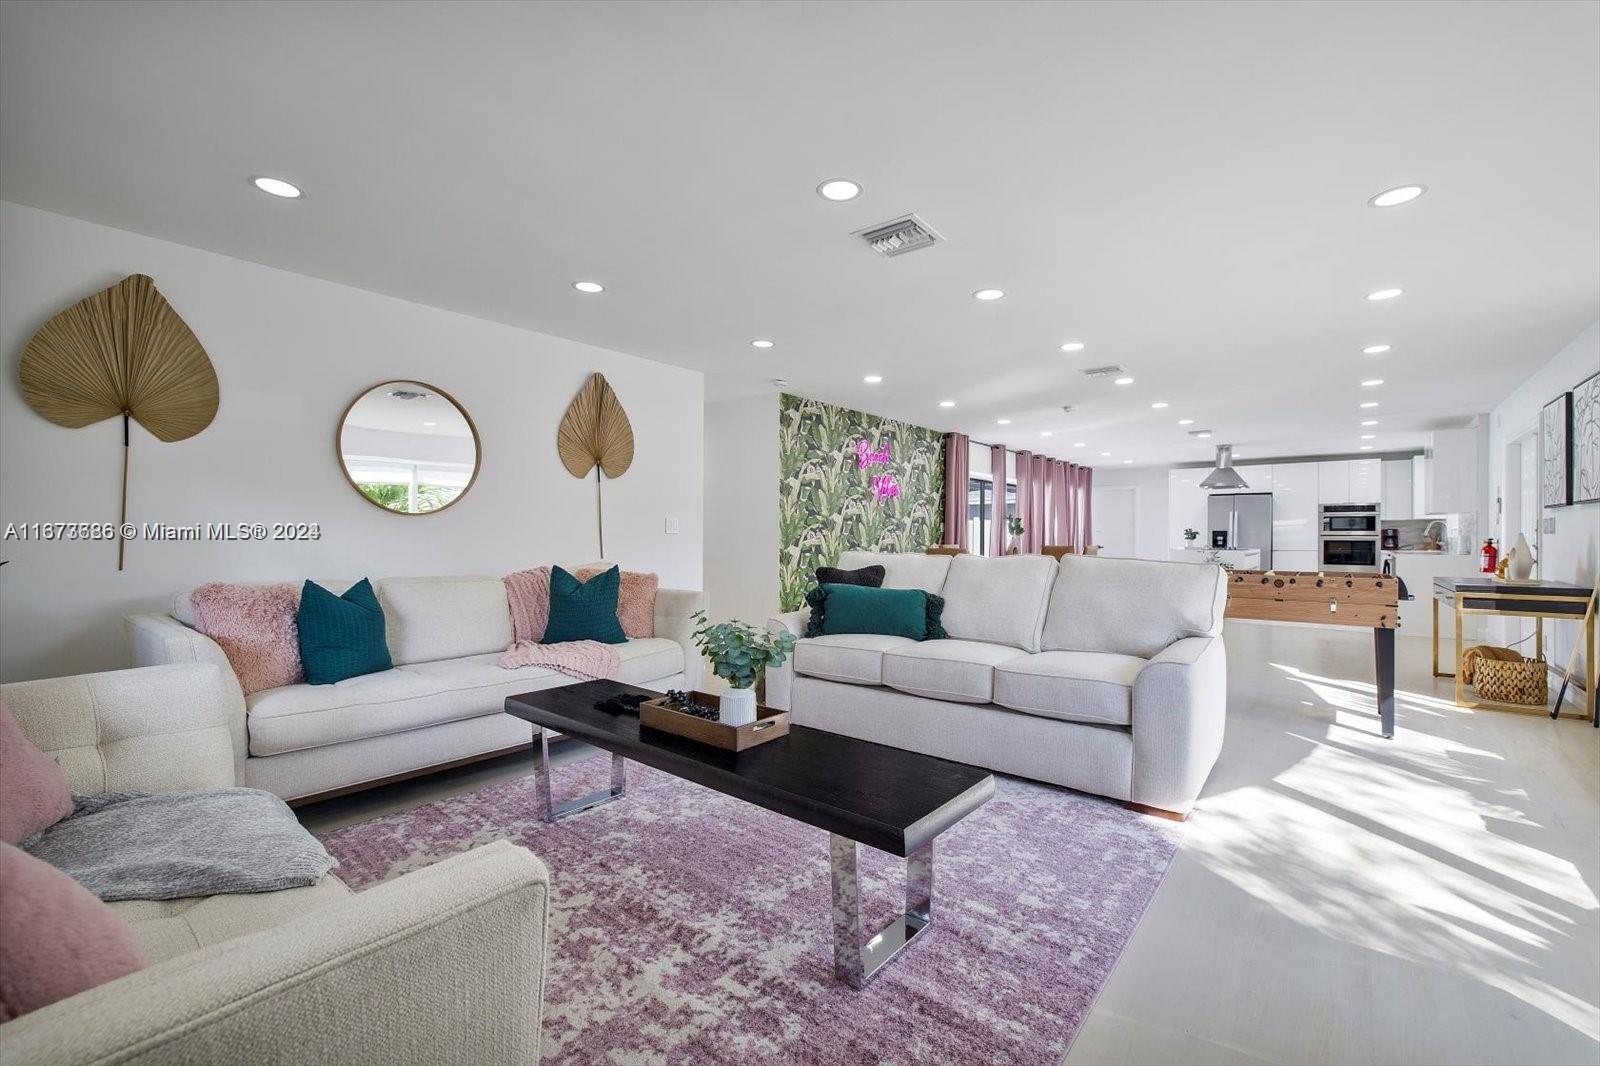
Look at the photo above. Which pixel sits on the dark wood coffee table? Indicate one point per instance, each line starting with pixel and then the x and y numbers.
pixel 861 793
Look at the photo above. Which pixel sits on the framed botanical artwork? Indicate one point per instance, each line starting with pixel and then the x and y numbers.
pixel 1555 466
pixel 1586 440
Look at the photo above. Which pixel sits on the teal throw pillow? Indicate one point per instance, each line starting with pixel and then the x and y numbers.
pixel 891 612
pixel 341 636
pixel 584 610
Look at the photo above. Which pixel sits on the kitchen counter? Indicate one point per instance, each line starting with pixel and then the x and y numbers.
pixel 1237 558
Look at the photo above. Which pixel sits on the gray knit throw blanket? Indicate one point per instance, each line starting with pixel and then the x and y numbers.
pixel 171 845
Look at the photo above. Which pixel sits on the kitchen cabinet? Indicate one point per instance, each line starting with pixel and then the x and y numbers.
pixel 1451 471
pixel 1333 481
pixel 1295 494
pixel 1366 480
pixel 1186 506
pixel 1395 502
pixel 1294 559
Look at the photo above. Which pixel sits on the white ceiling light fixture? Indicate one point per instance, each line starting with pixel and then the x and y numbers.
pixel 1046 433
pixel 1370 422
pixel 1123 381
pixel 1127 460
pixel 760 344
pixel 947 403
pixel 1185 421
pixel 1371 383
pixel 1204 434
pixel 873 379
pixel 1369 436
pixel 1383 294
pixel 1366 447
pixel 430 423
pixel 1369 404
pixel 590 287
pixel 1159 404
pixel 1078 444
pixel 839 190
pixel 1002 421
pixel 1376 349
pixel 277 187
pixel 1400 194
pixel 1072 346
pixel 988 294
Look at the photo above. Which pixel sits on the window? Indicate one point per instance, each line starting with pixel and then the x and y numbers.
pixel 980 513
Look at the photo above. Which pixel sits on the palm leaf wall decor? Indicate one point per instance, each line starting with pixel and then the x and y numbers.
pixel 123 351
pixel 595 434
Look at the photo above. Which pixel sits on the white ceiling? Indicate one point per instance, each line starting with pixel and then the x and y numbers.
pixel 1180 186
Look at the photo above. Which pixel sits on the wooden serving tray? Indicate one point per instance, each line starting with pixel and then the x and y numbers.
pixel 770 724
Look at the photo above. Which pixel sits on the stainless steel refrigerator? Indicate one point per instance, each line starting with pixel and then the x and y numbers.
pixel 1241 520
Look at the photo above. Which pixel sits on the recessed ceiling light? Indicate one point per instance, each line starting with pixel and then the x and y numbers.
pixel 1370 422
pixel 873 379
pixel 988 294
pixel 1370 403
pixel 1376 349
pixel 588 286
pixel 761 344
pixel 947 403
pixel 839 190
pixel 1366 447
pixel 1077 444
pixel 1046 433
pixel 1402 194
pixel 1159 404
pixel 1105 455
pixel 1002 421
pixel 1384 294
pixel 430 423
pixel 1369 436
pixel 1185 421
pixel 1371 382
pixel 1124 381
pixel 1127 460
pixel 1204 434
pixel 1072 346
pixel 277 187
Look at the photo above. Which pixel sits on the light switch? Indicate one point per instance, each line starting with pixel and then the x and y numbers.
pixel 1549 525
pixel 672 523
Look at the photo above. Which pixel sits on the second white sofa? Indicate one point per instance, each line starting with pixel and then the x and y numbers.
pixel 1103 675
pixel 442 704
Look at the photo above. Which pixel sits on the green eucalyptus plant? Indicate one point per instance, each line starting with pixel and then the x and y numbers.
pixel 740 653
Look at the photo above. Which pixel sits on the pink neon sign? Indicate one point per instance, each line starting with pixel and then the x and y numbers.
pixel 883 485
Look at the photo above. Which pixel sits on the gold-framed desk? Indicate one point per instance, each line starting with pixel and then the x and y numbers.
pixel 1539 600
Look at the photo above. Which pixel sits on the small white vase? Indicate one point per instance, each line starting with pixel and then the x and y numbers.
pixel 738 706
pixel 1521 565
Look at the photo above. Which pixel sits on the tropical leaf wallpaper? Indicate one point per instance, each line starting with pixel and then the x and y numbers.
pixel 848 479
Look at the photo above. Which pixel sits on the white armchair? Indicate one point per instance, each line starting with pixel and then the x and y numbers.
pixel 442 965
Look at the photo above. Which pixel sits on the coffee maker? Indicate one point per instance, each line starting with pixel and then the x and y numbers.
pixel 1391 539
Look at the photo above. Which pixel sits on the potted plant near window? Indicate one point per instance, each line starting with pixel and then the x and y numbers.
pixel 1014 525
pixel 739 653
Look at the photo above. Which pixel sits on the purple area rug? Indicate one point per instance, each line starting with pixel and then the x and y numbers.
pixel 691 927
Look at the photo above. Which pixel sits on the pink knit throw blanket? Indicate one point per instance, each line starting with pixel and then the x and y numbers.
pixel 586 660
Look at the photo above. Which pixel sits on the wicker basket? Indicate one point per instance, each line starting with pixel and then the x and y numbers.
pixel 1525 681
pixel 1470 657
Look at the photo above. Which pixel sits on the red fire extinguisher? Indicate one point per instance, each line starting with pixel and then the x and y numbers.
pixel 1488 556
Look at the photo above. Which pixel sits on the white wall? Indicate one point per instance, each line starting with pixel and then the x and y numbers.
pixel 1569 548
pixel 1150 505
pixel 742 507
pixel 291 352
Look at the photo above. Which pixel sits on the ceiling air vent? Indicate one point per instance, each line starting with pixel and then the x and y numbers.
pixel 1102 371
pixel 905 234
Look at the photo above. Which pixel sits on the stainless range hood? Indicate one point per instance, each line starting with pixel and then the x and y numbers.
pixel 1224 476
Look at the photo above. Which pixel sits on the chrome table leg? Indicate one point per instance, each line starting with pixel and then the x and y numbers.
pixel 855 960
pixel 541 782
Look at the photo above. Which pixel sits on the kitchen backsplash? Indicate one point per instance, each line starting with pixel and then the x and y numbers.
pixel 1460 532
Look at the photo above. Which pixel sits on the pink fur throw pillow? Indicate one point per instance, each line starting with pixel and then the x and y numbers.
pixel 528 593
pixel 636 602
pixel 56 938
pixel 33 788
pixel 255 626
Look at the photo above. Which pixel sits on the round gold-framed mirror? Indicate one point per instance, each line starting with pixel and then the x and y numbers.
pixel 408 447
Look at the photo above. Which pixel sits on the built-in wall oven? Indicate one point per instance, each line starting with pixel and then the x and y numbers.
pixel 1349 537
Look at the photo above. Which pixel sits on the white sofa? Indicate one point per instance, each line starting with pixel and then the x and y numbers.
pixel 442 704
pixel 442 965
pixel 1103 675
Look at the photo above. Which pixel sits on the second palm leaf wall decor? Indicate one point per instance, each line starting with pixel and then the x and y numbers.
pixel 122 351
pixel 595 434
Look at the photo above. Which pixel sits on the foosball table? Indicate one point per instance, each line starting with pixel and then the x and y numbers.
pixel 1358 600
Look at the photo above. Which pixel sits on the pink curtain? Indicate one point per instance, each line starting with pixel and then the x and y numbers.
pixel 957 469
pixel 1024 496
pixel 1034 536
pixel 997 512
pixel 1085 519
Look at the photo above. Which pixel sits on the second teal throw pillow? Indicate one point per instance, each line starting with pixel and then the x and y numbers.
pixel 891 612
pixel 341 636
pixel 584 610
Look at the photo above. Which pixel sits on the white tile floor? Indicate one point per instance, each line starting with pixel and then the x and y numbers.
pixel 1339 897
